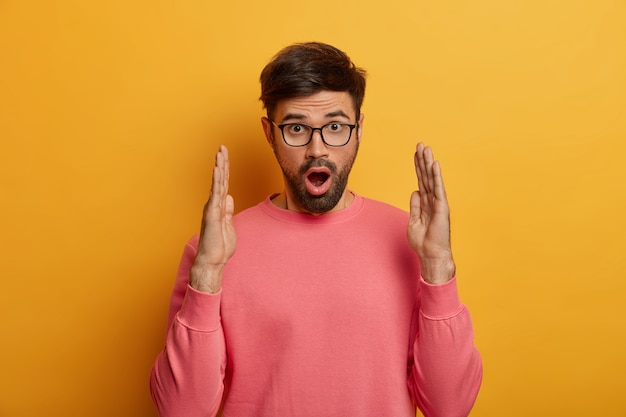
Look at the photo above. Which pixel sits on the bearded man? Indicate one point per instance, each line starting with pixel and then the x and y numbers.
pixel 318 301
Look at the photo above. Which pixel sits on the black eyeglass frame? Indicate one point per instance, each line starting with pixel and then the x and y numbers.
pixel 313 129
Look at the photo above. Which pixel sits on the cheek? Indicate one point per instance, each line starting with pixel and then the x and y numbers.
pixel 348 157
pixel 286 160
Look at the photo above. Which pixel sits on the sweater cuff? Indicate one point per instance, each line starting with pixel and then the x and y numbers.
pixel 200 311
pixel 440 301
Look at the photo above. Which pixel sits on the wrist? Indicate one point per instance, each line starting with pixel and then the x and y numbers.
pixel 438 271
pixel 206 278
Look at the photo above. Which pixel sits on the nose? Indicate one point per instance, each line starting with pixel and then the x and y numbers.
pixel 316 147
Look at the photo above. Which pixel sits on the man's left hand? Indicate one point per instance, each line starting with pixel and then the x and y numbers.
pixel 428 231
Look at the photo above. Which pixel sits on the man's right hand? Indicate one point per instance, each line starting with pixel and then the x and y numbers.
pixel 217 234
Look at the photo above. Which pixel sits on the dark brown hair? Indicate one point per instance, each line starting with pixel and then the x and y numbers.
pixel 303 69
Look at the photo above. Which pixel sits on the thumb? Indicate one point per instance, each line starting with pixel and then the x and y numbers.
pixel 229 206
pixel 415 206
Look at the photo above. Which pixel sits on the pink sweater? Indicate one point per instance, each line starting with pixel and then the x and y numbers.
pixel 317 316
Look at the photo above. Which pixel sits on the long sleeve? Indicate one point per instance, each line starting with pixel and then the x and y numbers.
pixel 187 376
pixel 447 370
pixel 317 316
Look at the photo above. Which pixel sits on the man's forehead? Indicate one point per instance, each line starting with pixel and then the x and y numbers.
pixel 324 104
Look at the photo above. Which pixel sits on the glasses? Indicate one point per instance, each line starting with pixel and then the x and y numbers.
pixel 333 134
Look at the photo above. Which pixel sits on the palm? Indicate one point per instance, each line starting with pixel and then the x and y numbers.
pixel 428 231
pixel 217 236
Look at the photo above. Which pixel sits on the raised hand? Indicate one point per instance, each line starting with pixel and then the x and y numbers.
pixel 217 234
pixel 428 231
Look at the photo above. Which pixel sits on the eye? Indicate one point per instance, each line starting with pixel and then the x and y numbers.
pixel 296 129
pixel 335 127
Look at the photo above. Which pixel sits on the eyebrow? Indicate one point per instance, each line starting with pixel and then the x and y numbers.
pixel 299 116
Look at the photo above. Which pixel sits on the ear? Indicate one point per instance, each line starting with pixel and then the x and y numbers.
pixel 359 128
pixel 267 129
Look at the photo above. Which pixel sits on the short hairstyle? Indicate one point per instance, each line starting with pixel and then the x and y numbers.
pixel 303 69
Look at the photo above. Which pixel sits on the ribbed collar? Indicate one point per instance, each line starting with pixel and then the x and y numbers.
pixel 304 218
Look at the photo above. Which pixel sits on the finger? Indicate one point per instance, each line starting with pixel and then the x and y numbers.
pixel 425 171
pixel 214 197
pixel 415 207
pixel 225 169
pixel 229 207
pixel 419 167
pixel 440 189
pixel 217 183
pixel 428 164
pixel 418 173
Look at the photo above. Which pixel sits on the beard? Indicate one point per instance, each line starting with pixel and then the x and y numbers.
pixel 318 204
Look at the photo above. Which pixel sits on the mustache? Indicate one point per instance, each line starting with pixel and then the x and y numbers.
pixel 316 163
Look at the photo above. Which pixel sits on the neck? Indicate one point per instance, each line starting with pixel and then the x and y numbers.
pixel 286 202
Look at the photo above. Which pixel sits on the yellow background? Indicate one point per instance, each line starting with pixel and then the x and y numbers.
pixel 110 114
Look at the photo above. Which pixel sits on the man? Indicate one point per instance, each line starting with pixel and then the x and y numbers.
pixel 317 301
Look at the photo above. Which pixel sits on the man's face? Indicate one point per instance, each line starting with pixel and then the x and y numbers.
pixel 315 175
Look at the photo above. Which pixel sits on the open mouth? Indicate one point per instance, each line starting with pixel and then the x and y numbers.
pixel 317 180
